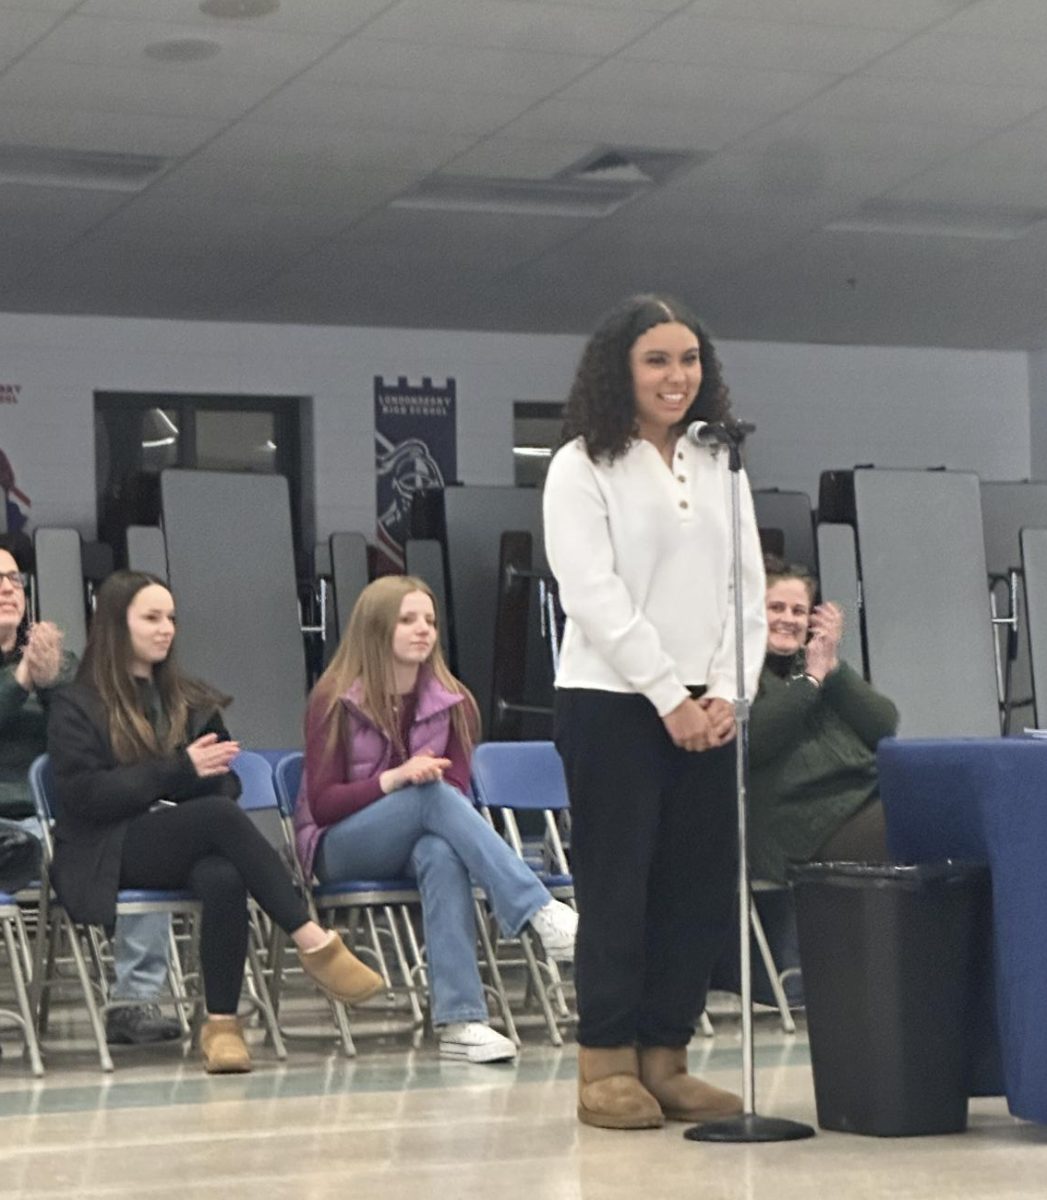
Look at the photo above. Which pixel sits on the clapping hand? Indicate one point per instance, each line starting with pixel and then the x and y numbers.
pixel 42 655
pixel 822 652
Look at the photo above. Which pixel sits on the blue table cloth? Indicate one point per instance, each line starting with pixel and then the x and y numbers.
pixel 985 800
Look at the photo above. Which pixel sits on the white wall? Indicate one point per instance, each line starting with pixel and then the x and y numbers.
pixel 815 406
pixel 824 407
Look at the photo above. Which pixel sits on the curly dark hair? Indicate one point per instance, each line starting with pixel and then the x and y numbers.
pixel 601 408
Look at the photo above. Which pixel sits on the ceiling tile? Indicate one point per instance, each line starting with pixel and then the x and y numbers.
pixel 988 60
pixel 129 133
pixel 368 62
pixel 730 88
pixel 928 102
pixel 472 113
pixel 283 181
pixel 342 148
pixel 508 23
pixel 763 45
pixel 513 158
pixel 882 14
pixel 139 89
pixel 293 16
pixel 631 125
pixel 1001 18
pixel 19 29
pixel 102 42
pixel 846 134
pixel 1005 170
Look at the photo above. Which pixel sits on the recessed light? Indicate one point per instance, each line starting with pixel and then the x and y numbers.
pixel 239 10
pixel 183 50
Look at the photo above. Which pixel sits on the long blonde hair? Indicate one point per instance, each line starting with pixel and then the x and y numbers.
pixel 365 653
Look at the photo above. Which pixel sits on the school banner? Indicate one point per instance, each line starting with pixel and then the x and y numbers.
pixel 415 448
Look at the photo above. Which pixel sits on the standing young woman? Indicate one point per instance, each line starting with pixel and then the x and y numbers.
pixel 637 532
pixel 388 738
pixel 146 799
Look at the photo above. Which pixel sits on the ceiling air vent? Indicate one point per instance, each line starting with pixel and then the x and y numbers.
pixel 42 166
pixel 594 187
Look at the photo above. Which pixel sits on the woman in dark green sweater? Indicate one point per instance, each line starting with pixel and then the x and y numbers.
pixel 813 733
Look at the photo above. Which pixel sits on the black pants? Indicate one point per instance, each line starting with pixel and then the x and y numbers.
pixel 861 838
pixel 210 846
pixel 654 856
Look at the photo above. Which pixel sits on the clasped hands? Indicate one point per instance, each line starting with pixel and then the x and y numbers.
pixel 701 724
pixel 211 756
pixel 425 767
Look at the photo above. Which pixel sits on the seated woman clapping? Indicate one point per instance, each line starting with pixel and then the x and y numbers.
pixel 146 799
pixel 389 733
pixel 812 738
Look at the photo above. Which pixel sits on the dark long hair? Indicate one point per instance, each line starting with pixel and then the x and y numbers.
pixel 601 407
pixel 106 667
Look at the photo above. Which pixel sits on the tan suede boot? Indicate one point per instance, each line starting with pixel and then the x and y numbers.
pixel 610 1094
pixel 663 1072
pixel 338 972
pixel 223 1048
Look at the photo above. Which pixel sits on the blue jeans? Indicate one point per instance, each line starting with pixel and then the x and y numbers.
pixel 432 834
pixel 140 948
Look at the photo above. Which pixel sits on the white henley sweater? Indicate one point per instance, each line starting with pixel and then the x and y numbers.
pixel 642 556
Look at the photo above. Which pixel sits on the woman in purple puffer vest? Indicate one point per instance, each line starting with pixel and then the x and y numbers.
pixel 388 738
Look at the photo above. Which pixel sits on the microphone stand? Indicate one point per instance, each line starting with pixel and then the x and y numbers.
pixel 749 1126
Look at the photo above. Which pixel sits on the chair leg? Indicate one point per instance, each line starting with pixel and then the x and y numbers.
pixel 402 965
pixel 17 953
pixel 542 992
pixel 93 1011
pixel 177 983
pixel 341 1021
pixel 497 983
pixel 263 1000
pixel 376 946
pixel 788 1024
pixel 44 975
pixel 42 957
pixel 23 944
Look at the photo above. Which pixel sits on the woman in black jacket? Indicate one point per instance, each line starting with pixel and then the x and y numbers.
pixel 146 799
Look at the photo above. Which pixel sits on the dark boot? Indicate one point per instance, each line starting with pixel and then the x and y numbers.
pixel 663 1072
pixel 610 1094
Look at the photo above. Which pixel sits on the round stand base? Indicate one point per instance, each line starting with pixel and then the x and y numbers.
pixel 750 1127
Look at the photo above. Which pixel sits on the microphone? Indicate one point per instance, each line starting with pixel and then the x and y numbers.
pixel 717 433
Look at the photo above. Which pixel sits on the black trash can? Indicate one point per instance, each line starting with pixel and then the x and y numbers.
pixel 889 956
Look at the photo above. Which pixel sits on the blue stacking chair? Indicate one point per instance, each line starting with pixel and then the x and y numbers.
pixel 357 896
pixel 511 778
pixel 18 959
pixel 56 922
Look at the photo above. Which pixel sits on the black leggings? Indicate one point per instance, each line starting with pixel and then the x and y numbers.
pixel 210 846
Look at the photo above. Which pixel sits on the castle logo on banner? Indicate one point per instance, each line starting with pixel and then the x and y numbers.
pixel 415 447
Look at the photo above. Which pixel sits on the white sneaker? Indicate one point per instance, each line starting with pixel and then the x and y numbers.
pixel 475 1042
pixel 556 925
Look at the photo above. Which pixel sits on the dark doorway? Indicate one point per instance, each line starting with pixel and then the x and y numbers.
pixel 137 435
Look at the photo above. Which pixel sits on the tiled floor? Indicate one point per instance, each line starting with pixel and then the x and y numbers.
pixel 398 1123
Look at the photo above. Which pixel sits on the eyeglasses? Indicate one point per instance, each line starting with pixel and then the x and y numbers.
pixel 17 579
